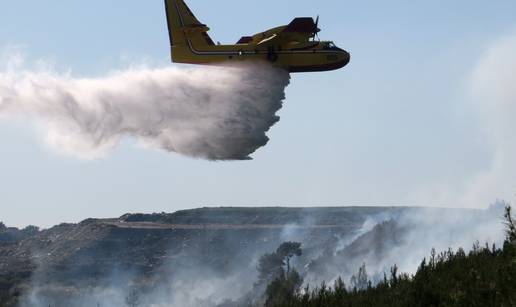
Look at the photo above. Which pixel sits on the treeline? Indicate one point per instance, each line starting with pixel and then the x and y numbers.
pixel 14 235
pixel 486 276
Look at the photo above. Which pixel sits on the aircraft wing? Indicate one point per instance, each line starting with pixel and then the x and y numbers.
pixel 300 29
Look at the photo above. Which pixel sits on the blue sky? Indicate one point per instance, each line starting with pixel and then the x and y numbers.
pixel 378 132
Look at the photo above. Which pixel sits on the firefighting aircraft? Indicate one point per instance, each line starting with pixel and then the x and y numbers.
pixel 294 47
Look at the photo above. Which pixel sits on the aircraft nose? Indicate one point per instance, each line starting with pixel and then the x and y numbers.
pixel 346 57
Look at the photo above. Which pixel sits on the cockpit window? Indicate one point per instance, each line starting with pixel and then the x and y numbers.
pixel 329 46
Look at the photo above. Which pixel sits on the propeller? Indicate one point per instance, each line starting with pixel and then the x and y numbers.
pixel 316 35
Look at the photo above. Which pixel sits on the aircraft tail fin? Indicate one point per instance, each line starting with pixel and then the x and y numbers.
pixel 184 28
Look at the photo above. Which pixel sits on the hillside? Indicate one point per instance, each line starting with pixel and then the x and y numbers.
pixel 151 250
pixel 485 276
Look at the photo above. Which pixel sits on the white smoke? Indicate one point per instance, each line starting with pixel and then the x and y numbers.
pixel 405 238
pixel 216 113
pixel 494 96
pixel 491 98
pixel 199 287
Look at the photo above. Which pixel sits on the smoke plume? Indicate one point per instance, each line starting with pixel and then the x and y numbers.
pixel 220 113
pixel 494 91
pixel 490 98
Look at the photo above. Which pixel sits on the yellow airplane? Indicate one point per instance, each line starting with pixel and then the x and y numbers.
pixel 293 47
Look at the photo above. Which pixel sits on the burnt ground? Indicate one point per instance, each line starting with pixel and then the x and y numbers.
pixel 222 239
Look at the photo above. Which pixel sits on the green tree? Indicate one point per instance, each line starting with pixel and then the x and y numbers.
pixel 284 289
pixel 275 271
pixel 271 266
pixel 510 225
pixel 360 281
pixel 288 250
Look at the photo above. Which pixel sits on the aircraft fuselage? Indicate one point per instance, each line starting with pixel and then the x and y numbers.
pixel 313 57
pixel 291 47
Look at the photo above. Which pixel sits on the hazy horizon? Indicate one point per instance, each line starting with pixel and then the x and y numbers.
pixel 246 207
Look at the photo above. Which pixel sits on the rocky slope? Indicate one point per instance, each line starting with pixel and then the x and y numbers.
pixel 153 247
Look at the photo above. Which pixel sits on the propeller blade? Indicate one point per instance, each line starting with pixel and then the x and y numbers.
pixel 315 36
pixel 317 24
